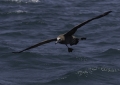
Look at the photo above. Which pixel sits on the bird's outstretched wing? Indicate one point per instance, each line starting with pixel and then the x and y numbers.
pixel 36 45
pixel 72 31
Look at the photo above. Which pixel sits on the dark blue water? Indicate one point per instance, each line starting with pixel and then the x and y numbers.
pixel 95 61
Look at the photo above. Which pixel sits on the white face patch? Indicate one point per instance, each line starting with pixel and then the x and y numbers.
pixel 58 39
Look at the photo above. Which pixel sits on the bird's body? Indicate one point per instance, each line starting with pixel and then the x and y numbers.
pixel 67 38
pixel 72 40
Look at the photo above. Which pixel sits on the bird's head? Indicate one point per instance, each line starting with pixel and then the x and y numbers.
pixel 58 40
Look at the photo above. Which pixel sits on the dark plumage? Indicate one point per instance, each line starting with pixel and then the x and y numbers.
pixel 68 37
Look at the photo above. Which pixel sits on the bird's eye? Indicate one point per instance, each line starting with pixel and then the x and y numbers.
pixel 59 39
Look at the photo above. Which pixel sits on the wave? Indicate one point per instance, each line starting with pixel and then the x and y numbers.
pixel 13 12
pixel 18 11
pixel 111 52
pixel 22 1
pixel 93 73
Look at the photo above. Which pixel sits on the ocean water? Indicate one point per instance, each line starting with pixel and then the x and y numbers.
pixel 95 61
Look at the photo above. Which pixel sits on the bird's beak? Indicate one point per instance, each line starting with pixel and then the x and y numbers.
pixel 56 42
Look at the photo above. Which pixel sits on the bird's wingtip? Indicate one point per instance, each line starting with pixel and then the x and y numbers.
pixel 108 12
pixel 17 52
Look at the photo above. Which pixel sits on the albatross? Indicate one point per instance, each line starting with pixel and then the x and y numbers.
pixel 67 38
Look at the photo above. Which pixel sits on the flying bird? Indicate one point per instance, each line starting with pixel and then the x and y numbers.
pixel 67 38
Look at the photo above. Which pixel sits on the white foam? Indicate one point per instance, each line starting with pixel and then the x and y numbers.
pixel 20 11
pixel 25 1
pixel 35 0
